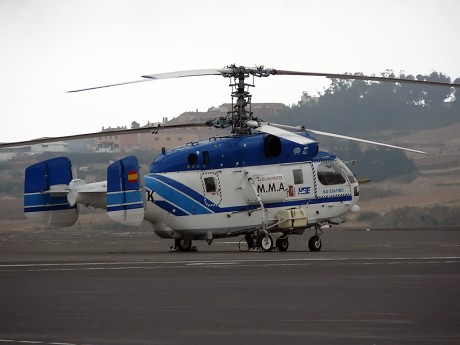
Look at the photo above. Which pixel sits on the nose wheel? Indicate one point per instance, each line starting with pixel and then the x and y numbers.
pixel 314 243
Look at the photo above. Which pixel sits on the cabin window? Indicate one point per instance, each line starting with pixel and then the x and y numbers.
pixel 205 157
pixel 329 174
pixel 210 184
pixel 298 176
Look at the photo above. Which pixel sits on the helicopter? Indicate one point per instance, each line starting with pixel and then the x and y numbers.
pixel 263 181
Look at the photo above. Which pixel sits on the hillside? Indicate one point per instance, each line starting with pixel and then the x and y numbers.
pixel 436 184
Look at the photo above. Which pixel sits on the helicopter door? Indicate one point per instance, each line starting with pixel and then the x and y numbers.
pixel 331 180
pixel 211 189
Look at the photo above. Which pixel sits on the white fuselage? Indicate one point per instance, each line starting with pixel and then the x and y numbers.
pixel 228 202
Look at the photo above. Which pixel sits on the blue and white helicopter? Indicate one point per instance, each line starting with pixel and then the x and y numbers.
pixel 263 182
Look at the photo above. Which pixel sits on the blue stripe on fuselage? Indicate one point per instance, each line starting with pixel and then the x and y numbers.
pixel 183 201
pixel 177 194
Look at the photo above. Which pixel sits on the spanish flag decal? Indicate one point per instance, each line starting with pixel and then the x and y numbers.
pixel 132 176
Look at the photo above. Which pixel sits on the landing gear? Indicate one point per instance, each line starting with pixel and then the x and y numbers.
pixel 314 244
pixel 259 242
pixel 282 244
pixel 265 242
pixel 182 246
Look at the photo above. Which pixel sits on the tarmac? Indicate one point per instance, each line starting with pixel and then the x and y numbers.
pixel 366 286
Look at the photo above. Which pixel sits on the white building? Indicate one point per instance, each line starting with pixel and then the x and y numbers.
pixel 58 146
pixel 5 155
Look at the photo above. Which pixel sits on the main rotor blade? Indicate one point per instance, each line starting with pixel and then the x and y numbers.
pixel 189 73
pixel 282 133
pixel 110 85
pixel 364 141
pixel 365 77
pixel 168 75
pixel 152 128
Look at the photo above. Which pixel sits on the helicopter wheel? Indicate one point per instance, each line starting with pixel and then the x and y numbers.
pixel 265 242
pixel 282 244
pixel 314 244
pixel 183 245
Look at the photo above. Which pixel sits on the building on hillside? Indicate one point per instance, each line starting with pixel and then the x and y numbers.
pixel 81 145
pixel 307 99
pixel 169 138
pixel 7 155
pixel 58 146
pixel 11 152
pixel 116 143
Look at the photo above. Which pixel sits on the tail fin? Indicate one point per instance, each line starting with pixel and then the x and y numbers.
pixel 124 192
pixel 45 193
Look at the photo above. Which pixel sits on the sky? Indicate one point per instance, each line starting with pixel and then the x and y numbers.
pixel 51 46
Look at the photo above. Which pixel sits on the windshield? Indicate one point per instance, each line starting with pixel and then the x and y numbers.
pixel 329 173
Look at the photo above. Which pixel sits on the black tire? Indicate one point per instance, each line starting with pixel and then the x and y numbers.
pixel 183 245
pixel 314 244
pixel 250 240
pixel 282 244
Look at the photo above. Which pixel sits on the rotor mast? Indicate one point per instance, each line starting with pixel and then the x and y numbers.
pixel 241 111
pixel 241 102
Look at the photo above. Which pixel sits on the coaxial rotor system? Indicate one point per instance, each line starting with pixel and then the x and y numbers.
pixel 241 111
pixel 241 118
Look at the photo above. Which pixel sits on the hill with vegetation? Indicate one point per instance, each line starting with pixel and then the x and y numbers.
pixel 357 106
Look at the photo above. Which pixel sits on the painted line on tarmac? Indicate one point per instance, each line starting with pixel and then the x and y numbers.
pixel 14 341
pixel 124 265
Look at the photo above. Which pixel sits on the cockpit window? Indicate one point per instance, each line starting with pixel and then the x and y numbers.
pixel 329 173
pixel 350 176
pixel 347 171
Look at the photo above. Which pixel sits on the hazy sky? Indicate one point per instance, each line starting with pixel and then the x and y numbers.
pixel 51 46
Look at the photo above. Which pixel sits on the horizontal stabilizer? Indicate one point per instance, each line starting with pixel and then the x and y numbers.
pixel 124 192
pixel 46 185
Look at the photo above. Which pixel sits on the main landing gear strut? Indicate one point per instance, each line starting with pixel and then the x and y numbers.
pixel 263 242
pixel 257 242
